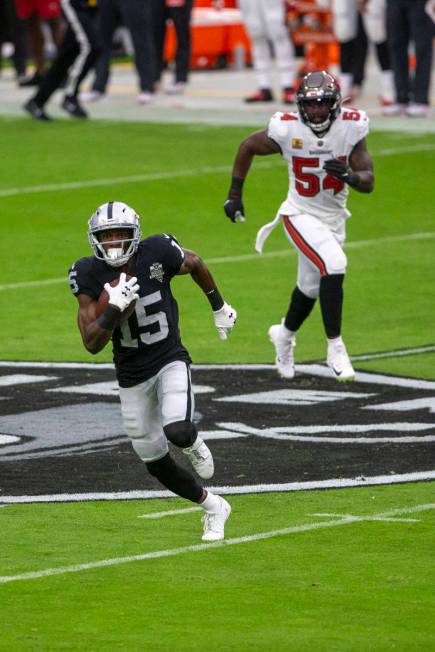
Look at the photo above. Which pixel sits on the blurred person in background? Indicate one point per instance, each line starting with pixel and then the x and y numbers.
pixel 179 12
pixel 76 55
pixel 12 31
pixel 265 21
pixel 355 23
pixel 409 20
pixel 33 13
pixel 136 15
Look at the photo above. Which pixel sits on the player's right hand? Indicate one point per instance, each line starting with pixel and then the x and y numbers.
pixel 224 320
pixel 121 295
pixel 234 210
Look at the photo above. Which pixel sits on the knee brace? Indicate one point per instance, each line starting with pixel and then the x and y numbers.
pixel 174 478
pixel 181 433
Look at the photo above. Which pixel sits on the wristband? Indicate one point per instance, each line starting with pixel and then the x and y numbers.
pixel 215 299
pixel 109 319
pixel 235 190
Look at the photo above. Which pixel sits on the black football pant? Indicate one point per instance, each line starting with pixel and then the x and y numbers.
pixel 180 17
pixel 76 55
pixel 407 20
pixel 137 17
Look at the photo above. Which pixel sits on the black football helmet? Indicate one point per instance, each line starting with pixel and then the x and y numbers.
pixel 319 101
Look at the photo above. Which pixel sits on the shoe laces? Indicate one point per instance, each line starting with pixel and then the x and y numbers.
pixel 197 453
pixel 285 350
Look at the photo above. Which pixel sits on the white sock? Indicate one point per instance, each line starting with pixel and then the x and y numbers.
pixel 211 503
pixel 334 341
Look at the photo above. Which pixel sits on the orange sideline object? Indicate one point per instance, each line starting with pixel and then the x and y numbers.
pixel 216 34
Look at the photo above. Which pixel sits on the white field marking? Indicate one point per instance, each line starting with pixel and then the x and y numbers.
pixel 172 512
pixel 366 377
pixel 285 433
pixel 21 379
pixel 373 518
pixel 176 174
pixel 312 485
pixel 135 178
pixel 394 354
pixel 244 258
pixel 309 369
pixel 171 552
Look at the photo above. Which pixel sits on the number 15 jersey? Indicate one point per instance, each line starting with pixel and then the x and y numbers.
pixel 311 190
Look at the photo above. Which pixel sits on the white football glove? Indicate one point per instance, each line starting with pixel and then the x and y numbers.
pixel 124 293
pixel 224 320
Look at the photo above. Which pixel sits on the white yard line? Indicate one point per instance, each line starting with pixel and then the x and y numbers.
pixel 134 178
pixel 310 485
pixel 176 174
pixel 357 244
pixel 171 552
pixel 171 512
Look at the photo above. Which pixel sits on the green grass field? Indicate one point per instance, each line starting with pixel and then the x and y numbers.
pixel 358 586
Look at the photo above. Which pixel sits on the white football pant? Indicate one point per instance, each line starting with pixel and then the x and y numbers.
pixel 265 22
pixel 345 16
pixel 319 249
pixel 146 408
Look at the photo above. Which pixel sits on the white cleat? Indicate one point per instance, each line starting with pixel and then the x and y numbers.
pixel 214 522
pixel 339 363
pixel 201 459
pixel 284 345
pixel 91 96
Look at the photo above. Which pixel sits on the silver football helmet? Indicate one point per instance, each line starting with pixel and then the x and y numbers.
pixel 110 216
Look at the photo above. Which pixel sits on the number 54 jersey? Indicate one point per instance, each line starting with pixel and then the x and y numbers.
pixel 311 190
pixel 150 338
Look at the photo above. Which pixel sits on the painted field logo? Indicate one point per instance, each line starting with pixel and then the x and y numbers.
pixel 66 436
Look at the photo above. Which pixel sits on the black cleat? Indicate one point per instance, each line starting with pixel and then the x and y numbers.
pixel 71 105
pixel 37 112
pixel 34 80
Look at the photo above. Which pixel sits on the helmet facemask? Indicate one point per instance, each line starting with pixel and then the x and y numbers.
pixel 114 216
pixel 317 120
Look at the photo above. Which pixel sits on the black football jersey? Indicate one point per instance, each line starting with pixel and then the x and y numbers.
pixel 150 338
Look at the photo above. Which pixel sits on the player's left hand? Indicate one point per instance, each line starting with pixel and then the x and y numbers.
pixel 234 209
pixel 224 320
pixel 337 168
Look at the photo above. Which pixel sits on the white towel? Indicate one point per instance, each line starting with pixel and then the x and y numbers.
pixel 265 232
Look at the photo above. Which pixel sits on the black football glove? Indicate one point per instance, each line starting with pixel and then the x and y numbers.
pixel 340 170
pixel 234 209
pixel 337 168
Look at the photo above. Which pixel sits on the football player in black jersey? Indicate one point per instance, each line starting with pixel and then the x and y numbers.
pixel 152 365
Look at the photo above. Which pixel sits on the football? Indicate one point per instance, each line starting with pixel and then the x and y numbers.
pixel 103 300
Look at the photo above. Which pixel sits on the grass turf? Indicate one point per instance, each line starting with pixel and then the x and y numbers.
pixel 386 289
pixel 364 586
pixel 360 586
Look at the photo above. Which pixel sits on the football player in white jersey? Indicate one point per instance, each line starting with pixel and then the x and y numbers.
pixel 326 152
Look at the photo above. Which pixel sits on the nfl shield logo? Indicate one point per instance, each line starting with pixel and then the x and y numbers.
pixel 156 271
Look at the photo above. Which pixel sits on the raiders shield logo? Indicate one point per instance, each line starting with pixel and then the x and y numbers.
pixel 156 271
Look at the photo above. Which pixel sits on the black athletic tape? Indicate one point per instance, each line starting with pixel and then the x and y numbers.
pixel 215 299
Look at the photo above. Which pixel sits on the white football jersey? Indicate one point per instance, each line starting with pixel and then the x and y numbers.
pixel 311 190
